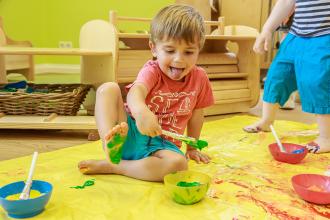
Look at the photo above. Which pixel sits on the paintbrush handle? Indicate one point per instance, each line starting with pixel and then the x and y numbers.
pixel 282 149
pixel 26 191
pixel 177 136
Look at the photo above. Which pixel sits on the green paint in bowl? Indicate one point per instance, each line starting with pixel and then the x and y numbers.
pixel 187 187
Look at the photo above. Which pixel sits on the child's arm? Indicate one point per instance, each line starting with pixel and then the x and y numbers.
pixel 194 128
pixel 146 121
pixel 281 10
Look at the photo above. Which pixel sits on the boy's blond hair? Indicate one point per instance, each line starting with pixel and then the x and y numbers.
pixel 178 22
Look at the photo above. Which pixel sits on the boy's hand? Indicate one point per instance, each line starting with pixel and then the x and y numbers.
pixel 263 42
pixel 147 123
pixel 197 156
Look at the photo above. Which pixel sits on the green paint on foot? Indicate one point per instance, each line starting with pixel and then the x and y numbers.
pixel 115 148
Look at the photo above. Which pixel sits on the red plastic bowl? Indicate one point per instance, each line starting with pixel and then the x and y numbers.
pixel 288 157
pixel 306 186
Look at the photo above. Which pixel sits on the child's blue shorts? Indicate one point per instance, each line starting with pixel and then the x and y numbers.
pixel 301 63
pixel 138 146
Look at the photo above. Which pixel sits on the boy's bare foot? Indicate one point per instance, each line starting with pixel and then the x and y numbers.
pixel 96 167
pixel 320 145
pixel 257 127
pixel 114 141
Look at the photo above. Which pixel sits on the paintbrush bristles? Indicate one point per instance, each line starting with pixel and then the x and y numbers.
pixel 193 142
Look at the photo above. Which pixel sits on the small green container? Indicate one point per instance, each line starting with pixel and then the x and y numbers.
pixel 187 195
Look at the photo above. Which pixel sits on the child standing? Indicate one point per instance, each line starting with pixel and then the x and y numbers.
pixel 303 63
pixel 169 93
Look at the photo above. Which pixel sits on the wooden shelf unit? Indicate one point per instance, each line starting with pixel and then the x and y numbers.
pixel 40 122
pixel 93 61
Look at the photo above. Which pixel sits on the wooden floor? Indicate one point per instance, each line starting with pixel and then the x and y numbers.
pixel 17 143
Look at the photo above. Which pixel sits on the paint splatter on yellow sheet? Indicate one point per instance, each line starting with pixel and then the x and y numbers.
pixel 246 182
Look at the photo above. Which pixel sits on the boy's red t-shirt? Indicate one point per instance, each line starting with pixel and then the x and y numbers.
pixel 174 101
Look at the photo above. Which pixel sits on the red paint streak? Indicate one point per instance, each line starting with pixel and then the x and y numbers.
pixel 268 180
pixel 239 184
pixel 323 158
pixel 218 181
pixel 324 214
pixel 283 190
pixel 271 209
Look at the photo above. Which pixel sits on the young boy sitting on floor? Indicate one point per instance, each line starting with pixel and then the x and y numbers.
pixel 169 93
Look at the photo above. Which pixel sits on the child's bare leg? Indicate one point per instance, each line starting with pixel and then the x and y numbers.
pixel 152 168
pixel 268 117
pixel 155 167
pixel 322 143
pixel 109 110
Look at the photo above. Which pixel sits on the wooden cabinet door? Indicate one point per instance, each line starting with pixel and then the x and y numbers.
pixel 253 13
pixel 202 6
pixel 242 12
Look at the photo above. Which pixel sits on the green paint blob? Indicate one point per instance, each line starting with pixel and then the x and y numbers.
pixel 199 144
pixel 87 183
pixel 115 148
pixel 187 184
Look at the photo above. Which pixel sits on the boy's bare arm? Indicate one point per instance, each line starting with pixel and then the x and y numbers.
pixel 146 121
pixel 136 98
pixel 194 128
pixel 195 123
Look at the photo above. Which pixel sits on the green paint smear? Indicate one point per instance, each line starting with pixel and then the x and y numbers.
pixel 177 198
pixel 188 201
pixel 199 144
pixel 188 184
pixel 115 148
pixel 87 183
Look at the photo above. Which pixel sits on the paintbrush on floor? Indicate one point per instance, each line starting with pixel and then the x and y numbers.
pixel 193 142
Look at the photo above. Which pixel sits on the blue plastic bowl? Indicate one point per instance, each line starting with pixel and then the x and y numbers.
pixel 25 208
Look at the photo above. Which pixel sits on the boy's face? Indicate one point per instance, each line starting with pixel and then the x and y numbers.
pixel 175 58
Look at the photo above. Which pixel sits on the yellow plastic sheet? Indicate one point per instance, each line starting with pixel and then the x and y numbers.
pixel 247 182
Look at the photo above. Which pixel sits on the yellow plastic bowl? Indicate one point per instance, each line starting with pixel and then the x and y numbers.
pixel 186 195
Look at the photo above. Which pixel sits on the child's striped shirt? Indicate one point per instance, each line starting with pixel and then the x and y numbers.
pixel 311 18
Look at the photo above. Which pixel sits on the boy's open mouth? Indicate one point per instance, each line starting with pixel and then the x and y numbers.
pixel 176 72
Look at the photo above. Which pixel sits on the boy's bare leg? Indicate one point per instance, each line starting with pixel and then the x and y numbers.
pixel 152 168
pixel 322 142
pixel 109 109
pixel 268 117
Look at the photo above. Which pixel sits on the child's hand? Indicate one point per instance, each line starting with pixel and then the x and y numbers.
pixel 197 156
pixel 147 123
pixel 263 42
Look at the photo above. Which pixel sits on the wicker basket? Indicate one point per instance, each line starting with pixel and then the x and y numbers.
pixel 62 99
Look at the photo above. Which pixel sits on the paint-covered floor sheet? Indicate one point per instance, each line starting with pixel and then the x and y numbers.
pixel 247 182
